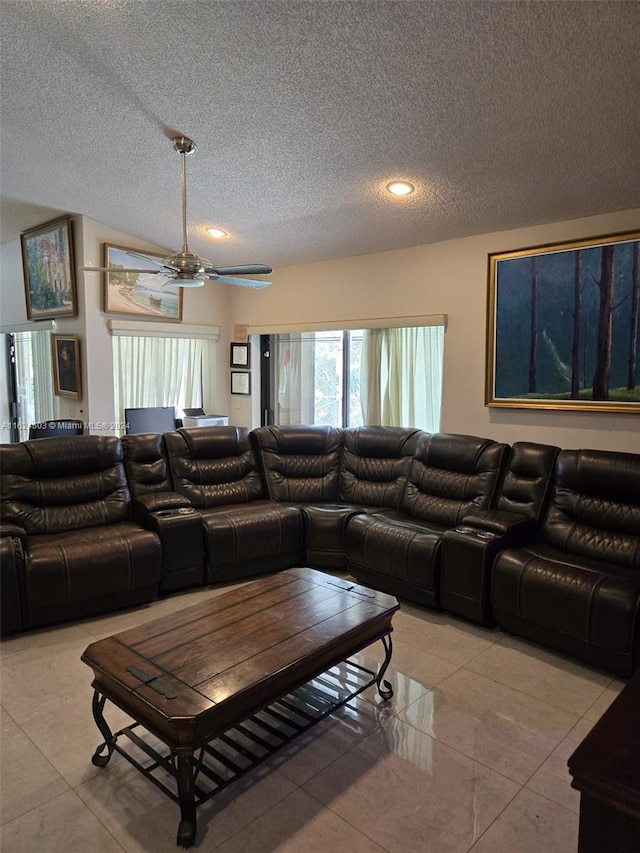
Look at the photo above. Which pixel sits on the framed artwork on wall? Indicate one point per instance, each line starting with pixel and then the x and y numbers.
pixel 66 366
pixel 143 294
pixel 240 355
pixel 48 269
pixel 240 382
pixel 563 326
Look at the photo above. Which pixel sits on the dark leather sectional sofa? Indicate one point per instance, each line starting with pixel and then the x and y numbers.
pixel 543 542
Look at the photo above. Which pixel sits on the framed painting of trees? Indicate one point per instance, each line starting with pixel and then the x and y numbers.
pixel 563 326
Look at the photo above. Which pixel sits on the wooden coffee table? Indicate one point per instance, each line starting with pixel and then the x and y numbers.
pixel 224 684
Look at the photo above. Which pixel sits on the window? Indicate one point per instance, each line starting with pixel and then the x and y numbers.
pixel 33 380
pixel 391 377
pixel 316 378
pixel 162 371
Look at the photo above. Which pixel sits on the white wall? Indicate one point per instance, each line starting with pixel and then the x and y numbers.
pixel 443 278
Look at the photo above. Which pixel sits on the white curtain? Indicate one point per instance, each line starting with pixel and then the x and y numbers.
pixel 401 377
pixel 294 380
pixel 163 372
pixel 34 374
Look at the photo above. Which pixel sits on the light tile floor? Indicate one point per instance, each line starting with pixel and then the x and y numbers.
pixel 469 755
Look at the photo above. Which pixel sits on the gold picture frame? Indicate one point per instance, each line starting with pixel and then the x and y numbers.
pixel 65 353
pixel 149 296
pixel 48 270
pixel 563 326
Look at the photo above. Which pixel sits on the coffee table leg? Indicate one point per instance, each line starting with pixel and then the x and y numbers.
pixel 186 795
pixel 97 706
pixel 385 688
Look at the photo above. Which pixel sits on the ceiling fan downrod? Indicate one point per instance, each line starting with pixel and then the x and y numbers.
pixel 183 145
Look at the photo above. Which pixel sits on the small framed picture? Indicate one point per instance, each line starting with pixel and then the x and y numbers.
pixel 66 366
pixel 240 355
pixel 240 382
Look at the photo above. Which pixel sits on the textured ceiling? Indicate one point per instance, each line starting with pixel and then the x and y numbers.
pixel 504 115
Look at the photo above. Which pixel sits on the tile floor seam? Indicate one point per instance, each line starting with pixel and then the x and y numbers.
pixel 347 821
pixel 459 752
pixel 577 718
pixel 51 764
pixel 531 695
pixel 98 818
pixel 496 818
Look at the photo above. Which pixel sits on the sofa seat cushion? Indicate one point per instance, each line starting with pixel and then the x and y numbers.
pixel 250 538
pixel 72 568
pixel 594 604
pixel 399 547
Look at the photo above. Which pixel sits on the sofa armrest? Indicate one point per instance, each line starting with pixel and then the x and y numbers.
pixel 154 501
pixel 467 555
pixel 518 528
pixel 8 528
pixel 12 567
pixel 181 533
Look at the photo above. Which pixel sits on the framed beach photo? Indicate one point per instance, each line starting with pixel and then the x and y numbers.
pixel 66 366
pixel 240 355
pixel 563 326
pixel 240 382
pixel 149 295
pixel 48 269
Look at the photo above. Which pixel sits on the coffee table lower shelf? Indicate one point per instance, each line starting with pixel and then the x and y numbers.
pixel 232 754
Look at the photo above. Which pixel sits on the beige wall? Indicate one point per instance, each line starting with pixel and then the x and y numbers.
pixel 443 278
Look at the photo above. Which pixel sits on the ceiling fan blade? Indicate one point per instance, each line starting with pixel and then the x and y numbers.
pixel 164 264
pixel 241 269
pixel 255 283
pixel 118 269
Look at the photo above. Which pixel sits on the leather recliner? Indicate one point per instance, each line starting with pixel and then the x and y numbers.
pixel 245 533
pixel 398 551
pixel 577 590
pixel 76 550
pixel 332 474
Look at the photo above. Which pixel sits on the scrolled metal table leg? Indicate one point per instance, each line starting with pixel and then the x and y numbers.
pixel 385 689
pixel 97 706
pixel 186 795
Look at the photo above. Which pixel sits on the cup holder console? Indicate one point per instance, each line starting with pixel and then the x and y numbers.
pixel 166 513
pixel 473 531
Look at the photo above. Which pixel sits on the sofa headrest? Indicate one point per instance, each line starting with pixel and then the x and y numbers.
pixel 381 442
pixel 459 453
pixel 215 442
pixel 143 447
pixel 300 440
pixel 601 474
pixel 62 456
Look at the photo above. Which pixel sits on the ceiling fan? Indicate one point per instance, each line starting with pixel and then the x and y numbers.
pixel 184 269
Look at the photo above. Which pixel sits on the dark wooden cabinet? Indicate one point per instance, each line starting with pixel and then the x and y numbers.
pixel 606 770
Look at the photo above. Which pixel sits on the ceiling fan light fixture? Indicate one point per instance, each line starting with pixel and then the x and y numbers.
pixel 400 188
pixel 188 282
pixel 218 233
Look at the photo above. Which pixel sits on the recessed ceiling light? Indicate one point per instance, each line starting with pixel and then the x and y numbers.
pixel 400 188
pixel 217 232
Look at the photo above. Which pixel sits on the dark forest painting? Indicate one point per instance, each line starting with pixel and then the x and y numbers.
pixel 563 326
